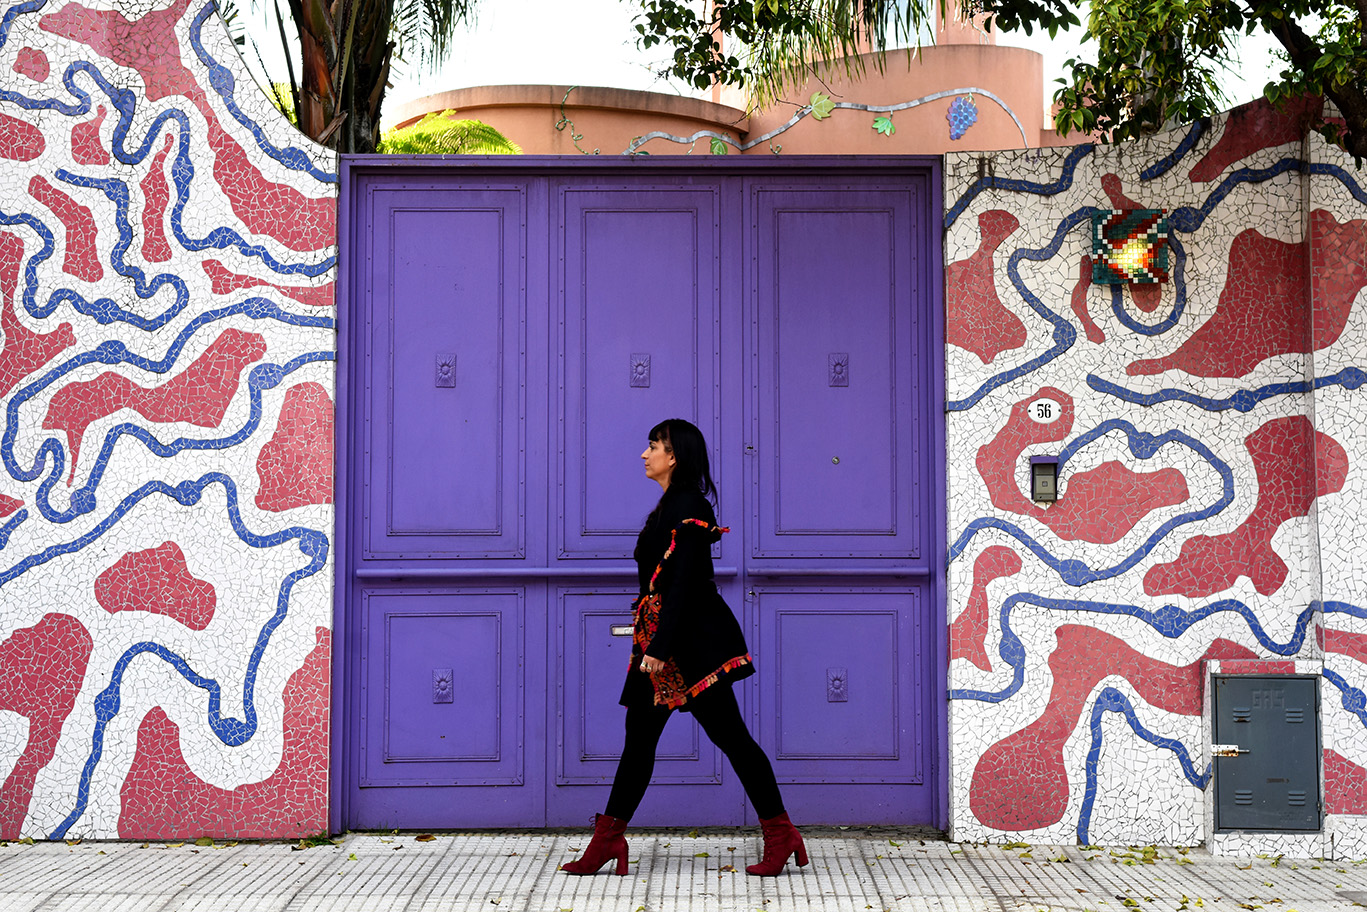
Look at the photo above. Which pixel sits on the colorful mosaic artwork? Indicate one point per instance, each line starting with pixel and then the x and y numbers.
pixel 167 253
pixel 1129 246
pixel 1212 476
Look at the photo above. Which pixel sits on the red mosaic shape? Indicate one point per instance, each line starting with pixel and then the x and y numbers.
pixel 25 350
pixel 9 505
pixel 1294 463
pixel 156 194
pixel 86 147
pixel 32 62
pixel 1253 127
pixel 157 581
pixel 968 633
pixel 1345 642
pixel 1021 782
pixel 162 798
pixel 224 281
pixel 1263 306
pixel 295 467
pixel 976 319
pixel 199 395
pixel 1100 505
pixel 998 458
pixel 82 260
pixel 44 667
pixel 1345 785
pixel 277 210
pixel 1338 272
pixel 147 44
pixel 1079 302
pixel 19 139
pixel 1103 504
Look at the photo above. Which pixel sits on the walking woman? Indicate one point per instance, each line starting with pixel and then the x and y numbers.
pixel 688 649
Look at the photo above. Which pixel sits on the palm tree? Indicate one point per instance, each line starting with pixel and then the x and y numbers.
pixel 347 48
pixel 442 134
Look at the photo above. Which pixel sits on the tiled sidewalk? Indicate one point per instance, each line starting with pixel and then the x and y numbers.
pixel 670 870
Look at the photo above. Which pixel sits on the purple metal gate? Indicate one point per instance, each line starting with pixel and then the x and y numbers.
pixel 511 330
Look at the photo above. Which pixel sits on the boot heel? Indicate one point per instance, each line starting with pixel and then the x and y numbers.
pixel 801 855
pixel 622 863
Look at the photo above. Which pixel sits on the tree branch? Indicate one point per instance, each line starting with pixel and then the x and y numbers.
pixel 1350 97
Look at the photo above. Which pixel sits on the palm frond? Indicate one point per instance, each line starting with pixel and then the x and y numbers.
pixel 441 134
pixel 427 27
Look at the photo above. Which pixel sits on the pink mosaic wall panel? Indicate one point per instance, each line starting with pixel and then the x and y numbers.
pixel 167 257
pixel 1212 478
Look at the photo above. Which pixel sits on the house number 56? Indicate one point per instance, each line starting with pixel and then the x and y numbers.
pixel 1044 411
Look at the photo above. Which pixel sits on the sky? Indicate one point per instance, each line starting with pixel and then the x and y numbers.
pixel 592 42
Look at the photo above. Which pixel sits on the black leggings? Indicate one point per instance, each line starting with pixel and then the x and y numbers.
pixel 716 711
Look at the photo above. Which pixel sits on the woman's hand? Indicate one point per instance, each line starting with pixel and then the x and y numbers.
pixel 652 665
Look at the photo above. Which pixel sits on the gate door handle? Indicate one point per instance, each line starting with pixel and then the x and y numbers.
pixel 1227 750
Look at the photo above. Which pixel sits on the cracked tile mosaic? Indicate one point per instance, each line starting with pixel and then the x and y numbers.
pixel 166 288
pixel 1210 475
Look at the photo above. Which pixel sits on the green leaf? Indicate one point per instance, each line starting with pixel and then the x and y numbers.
pixel 884 125
pixel 821 105
pixel 717 146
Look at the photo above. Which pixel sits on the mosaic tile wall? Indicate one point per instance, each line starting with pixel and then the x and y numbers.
pixel 167 252
pixel 1212 477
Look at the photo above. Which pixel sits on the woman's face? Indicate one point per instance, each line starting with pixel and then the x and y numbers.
pixel 659 462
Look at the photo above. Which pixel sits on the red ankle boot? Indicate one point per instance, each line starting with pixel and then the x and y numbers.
pixel 781 840
pixel 607 843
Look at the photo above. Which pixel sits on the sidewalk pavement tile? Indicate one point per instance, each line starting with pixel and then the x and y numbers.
pixel 670 871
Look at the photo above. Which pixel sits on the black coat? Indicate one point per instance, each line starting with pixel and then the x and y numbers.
pixel 697 635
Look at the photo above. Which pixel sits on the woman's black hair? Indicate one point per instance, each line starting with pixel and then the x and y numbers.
pixel 692 471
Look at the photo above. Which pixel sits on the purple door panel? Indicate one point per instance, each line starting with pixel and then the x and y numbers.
pixel 842 700
pixel 446 367
pixel 595 625
pixel 512 330
pixel 837 474
pixel 444 706
pixel 637 342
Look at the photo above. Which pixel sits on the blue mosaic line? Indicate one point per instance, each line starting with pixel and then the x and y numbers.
pixel 1187 220
pixel 1169 621
pixel 1143 446
pixel 1112 700
pixel 14 12
pixel 312 544
pixel 1166 163
pixel 103 310
pixel 1352 699
pixel 1243 401
pixel 1336 607
pixel 1065 333
pixel 1179 273
pixel 114 352
pixel 222 81
pixel 124 102
pixel 262 377
pixel 1058 185
pixel 1349 183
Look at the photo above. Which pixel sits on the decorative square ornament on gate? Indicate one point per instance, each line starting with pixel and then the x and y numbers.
pixel 1129 246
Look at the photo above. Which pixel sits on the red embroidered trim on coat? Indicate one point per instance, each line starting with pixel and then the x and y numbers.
pixel 669 685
